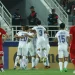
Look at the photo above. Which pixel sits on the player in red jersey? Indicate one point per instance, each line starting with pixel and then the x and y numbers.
pixel 72 45
pixel 2 33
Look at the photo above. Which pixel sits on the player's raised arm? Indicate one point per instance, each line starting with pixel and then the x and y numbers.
pixel 30 36
pixel 17 36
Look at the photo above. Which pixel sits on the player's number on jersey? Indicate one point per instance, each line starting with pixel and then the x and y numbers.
pixel 40 32
pixel 61 38
pixel 24 39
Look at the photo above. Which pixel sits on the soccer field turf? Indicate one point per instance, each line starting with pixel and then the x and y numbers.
pixel 36 72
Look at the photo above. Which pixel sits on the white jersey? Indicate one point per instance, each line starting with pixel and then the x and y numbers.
pixel 22 41
pixel 31 39
pixel 46 38
pixel 62 37
pixel 39 30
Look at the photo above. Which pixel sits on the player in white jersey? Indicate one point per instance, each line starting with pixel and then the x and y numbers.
pixel 40 45
pixel 31 48
pixel 62 36
pixel 22 46
pixel 46 35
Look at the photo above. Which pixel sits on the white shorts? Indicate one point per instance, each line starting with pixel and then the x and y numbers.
pixel 63 51
pixel 31 49
pixel 22 50
pixel 40 43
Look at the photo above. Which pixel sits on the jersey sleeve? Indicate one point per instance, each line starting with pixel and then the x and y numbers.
pixel 30 34
pixel 2 31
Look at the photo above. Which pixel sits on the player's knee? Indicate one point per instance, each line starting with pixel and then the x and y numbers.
pixel 0 57
pixel 60 59
pixel 66 58
pixel 39 49
pixel 17 58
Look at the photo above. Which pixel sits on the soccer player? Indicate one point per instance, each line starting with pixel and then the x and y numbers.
pixel 22 47
pixel 46 35
pixel 31 48
pixel 72 45
pixel 2 33
pixel 63 37
pixel 40 45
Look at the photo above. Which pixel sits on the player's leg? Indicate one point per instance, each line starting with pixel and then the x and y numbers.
pixel 38 52
pixel 25 56
pixel 17 57
pixel 47 61
pixel 66 54
pixel 1 64
pixel 33 55
pixel 38 55
pixel 20 61
pixel 33 62
pixel 43 50
pixel 60 55
pixel 72 56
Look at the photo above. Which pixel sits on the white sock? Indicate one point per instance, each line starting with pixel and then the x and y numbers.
pixel 61 65
pixel 36 61
pixel 2 69
pixel 26 62
pixel 23 61
pixel 20 63
pixel 65 64
pixel 16 61
pixel 33 62
pixel 48 64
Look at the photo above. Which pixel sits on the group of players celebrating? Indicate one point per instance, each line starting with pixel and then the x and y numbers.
pixel 35 41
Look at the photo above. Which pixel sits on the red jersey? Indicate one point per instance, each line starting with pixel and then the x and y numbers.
pixel 72 33
pixel 1 33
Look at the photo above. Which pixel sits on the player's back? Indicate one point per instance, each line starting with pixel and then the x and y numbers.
pixel 40 31
pixel 62 37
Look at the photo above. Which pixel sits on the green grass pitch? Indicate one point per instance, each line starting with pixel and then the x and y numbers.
pixel 36 72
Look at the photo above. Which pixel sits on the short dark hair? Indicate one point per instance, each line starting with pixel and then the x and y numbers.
pixel 26 28
pixel 38 22
pixel 53 10
pixel 32 7
pixel 62 25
